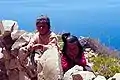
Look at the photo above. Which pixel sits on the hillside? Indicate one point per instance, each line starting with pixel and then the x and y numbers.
pixel 103 60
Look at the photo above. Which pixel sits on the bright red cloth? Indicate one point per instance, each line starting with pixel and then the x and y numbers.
pixel 68 63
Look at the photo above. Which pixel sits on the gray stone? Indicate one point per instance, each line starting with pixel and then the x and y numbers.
pixel 100 78
pixel 70 72
pixel 8 25
pixel 115 77
pixel 86 75
pixel 22 40
pixel 51 64
pixel 17 33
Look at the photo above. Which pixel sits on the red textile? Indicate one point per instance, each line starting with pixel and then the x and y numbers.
pixel 68 63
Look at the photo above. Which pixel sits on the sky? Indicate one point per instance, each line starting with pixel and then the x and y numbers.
pixel 95 18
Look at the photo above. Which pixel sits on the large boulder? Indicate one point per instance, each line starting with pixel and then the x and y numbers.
pixel 8 25
pixel 69 74
pixel 86 75
pixel 83 75
pixel 77 73
pixel 51 65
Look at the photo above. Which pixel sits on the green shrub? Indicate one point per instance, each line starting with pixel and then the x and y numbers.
pixel 106 65
pixel 60 42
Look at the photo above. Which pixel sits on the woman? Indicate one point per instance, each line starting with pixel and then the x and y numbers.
pixel 72 52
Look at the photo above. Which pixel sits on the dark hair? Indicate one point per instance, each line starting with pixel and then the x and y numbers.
pixel 66 37
pixel 43 18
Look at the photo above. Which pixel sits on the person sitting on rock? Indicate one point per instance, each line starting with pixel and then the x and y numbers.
pixel 72 52
pixel 44 38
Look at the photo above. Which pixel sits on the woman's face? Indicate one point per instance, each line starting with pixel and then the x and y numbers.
pixel 42 28
pixel 72 50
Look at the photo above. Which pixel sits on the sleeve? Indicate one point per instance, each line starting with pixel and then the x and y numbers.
pixel 82 61
pixel 53 42
pixel 64 63
pixel 32 41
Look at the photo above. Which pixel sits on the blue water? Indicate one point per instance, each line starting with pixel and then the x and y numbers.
pixel 97 19
pixel 105 29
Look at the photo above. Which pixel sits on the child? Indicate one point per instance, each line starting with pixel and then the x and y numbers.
pixel 72 52
pixel 44 38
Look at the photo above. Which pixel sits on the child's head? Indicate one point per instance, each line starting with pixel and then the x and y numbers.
pixel 43 24
pixel 72 47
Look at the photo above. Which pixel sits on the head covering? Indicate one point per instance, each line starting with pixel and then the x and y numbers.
pixel 43 19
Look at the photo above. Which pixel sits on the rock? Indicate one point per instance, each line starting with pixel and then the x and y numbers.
pixel 92 51
pixel 100 78
pixel 70 72
pixel 51 64
pixel 76 72
pixel 115 77
pixel 16 34
pixel 22 40
pixel 83 40
pixel 88 49
pixel 8 25
pixel 83 75
pixel 98 47
pixel 3 72
pixel 1 54
pixel 86 75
